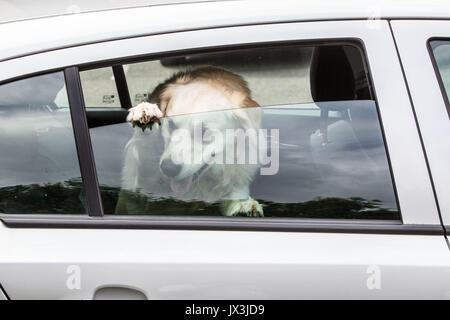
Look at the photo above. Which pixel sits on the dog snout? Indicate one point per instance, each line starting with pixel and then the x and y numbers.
pixel 169 168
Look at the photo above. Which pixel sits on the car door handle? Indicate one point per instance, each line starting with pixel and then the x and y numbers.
pixel 118 293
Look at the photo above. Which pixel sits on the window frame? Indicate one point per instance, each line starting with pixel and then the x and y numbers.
pixel 218 223
pixel 83 142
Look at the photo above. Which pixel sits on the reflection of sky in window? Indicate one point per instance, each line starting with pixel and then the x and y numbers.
pixel 36 143
pixel 40 90
pixel 37 148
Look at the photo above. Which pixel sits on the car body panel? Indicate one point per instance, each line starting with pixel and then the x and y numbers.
pixel 19 11
pixel 429 104
pixel 417 202
pixel 79 29
pixel 164 264
pixel 51 262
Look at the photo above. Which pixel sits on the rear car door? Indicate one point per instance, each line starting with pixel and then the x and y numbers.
pixel 425 59
pixel 349 214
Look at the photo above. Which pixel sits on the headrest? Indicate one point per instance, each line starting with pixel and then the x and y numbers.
pixel 331 75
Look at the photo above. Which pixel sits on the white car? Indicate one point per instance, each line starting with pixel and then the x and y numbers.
pixel 355 113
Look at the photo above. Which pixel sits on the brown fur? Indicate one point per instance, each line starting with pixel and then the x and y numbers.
pixel 231 84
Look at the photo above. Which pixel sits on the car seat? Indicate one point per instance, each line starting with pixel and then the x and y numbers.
pixel 349 133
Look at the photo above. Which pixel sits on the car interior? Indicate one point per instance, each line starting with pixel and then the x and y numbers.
pixel 38 149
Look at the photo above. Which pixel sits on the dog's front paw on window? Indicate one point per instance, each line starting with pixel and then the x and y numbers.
pixel 144 115
pixel 245 208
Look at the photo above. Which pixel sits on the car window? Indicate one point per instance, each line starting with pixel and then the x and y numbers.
pixel 256 66
pixel 99 88
pixel 288 131
pixel 441 53
pixel 39 171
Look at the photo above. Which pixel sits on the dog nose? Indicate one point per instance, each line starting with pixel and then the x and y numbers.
pixel 169 168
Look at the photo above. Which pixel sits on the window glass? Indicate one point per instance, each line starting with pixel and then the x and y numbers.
pixel 288 131
pixel 39 171
pixel 99 88
pixel 256 66
pixel 441 52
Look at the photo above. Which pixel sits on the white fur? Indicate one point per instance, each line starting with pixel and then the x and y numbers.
pixel 144 113
pixel 228 183
pixel 250 207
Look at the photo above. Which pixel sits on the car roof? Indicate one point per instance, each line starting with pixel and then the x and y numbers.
pixel 33 35
pixel 16 10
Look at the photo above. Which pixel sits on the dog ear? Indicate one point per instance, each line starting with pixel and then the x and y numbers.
pixel 161 96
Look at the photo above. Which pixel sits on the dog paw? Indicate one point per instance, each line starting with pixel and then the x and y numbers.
pixel 144 113
pixel 247 208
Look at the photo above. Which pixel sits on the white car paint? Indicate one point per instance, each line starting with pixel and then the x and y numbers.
pixel 73 263
pixel 415 193
pixel 62 31
pixel 412 37
pixel 223 264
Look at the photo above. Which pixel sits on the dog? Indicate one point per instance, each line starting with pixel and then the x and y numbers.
pixel 179 104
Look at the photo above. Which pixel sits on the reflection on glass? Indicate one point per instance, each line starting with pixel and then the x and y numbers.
pixel 99 88
pixel 315 160
pixel 285 68
pixel 39 170
pixel 441 52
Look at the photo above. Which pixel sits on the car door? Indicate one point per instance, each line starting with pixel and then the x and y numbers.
pixel 331 243
pixel 424 59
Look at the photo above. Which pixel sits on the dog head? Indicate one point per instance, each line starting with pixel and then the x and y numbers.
pixel 200 141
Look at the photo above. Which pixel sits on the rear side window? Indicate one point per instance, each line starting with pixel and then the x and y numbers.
pixel 281 131
pixel 39 171
pixel 99 88
pixel 441 54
